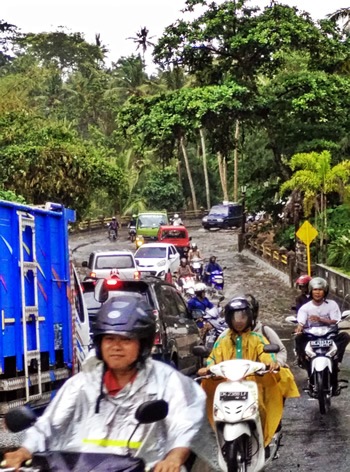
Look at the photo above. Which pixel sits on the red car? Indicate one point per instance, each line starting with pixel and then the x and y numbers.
pixel 176 235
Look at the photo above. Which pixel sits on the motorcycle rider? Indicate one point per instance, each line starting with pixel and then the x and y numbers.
pixel 132 222
pixel 199 301
pixel 320 312
pixel 211 267
pixel 241 342
pixel 194 252
pixel 94 410
pixel 302 283
pixel 177 221
pixel 269 333
pixel 113 225
pixel 183 271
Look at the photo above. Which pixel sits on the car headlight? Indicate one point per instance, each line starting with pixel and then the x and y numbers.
pixel 205 219
pixel 161 274
pixel 161 263
pixel 219 220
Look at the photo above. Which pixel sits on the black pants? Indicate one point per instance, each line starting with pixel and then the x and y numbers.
pixel 341 340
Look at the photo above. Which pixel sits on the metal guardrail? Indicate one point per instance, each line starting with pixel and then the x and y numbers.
pixel 102 222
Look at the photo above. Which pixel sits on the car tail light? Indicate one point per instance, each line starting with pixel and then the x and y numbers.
pixel 93 274
pixel 137 275
pixel 156 313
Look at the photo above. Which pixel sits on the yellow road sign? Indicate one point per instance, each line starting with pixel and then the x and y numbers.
pixel 307 233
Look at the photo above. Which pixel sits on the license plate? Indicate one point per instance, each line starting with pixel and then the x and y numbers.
pixel 321 343
pixel 229 396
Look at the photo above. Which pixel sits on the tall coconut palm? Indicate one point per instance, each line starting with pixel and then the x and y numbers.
pixel 341 15
pixel 142 40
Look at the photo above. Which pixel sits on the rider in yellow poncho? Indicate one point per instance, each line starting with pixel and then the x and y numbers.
pixel 240 342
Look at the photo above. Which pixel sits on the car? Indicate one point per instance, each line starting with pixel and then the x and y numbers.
pixel 176 235
pixel 177 332
pixel 120 262
pixel 225 215
pixel 157 259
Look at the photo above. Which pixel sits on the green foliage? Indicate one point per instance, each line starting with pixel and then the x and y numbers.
pixel 11 196
pixel 164 191
pixel 286 237
pixel 338 252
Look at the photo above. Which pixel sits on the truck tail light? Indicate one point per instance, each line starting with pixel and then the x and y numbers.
pixel 93 274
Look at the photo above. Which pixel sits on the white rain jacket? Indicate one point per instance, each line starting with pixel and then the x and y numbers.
pixel 70 423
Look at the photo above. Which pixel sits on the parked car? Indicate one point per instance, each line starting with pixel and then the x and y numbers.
pixel 177 332
pixel 176 235
pixel 225 215
pixel 158 259
pixel 106 263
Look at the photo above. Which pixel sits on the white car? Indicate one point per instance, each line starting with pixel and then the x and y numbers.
pixel 119 262
pixel 158 259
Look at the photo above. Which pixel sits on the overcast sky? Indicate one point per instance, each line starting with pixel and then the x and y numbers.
pixel 116 20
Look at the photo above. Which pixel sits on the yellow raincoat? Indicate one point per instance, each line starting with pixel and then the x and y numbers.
pixel 273 388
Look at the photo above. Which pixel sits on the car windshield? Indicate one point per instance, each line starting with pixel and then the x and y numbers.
pixel 174 234
pixel 151 252
pixel 123 261
pixel 218 211
pixel 151 221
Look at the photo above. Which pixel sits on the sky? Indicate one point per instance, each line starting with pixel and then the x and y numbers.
pixel 116 20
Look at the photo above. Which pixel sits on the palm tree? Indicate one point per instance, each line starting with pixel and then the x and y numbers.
pixel 343 15
pixel 142 40
pixel 315 180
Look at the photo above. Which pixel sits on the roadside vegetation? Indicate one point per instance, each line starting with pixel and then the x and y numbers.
pixel 242 97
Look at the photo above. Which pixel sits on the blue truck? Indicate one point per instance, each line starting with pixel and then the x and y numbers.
pixel 44 323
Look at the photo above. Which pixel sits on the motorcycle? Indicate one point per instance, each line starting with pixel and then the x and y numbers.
pixel 216 280
pixel 321 357
pixel 132 233
pixel 197 268
pixel 112 234
pixel 237 421
pixel 210 324
pixel 23 417
pixel 187 287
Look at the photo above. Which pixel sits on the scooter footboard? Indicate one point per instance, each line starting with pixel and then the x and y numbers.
pixel 233 431
pixel 320 363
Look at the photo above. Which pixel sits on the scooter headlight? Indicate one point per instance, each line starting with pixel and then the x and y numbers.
pixel 309 351
pixel 250 411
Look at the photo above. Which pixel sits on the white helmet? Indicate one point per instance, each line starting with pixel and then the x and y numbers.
pixel 176 215
pixel 201 287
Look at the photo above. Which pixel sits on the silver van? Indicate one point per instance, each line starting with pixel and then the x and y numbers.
pixel 103 264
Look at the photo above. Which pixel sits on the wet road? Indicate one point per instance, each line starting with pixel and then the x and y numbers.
pixel 311 442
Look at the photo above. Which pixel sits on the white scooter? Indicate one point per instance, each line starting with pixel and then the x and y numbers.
pixel 321 354
pixel 237 420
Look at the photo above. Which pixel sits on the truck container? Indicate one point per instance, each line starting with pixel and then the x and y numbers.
pixel 44 323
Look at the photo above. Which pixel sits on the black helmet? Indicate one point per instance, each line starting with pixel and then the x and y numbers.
pixel 241 303
pixel 320 283
pixel 212 259
pixel 127 315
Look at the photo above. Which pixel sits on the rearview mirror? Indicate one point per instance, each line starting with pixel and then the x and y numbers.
pixel 200 351
pixel 152 411
pixel 271 348
pixel 19 419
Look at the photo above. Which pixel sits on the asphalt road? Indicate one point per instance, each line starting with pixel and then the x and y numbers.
pixel 311 442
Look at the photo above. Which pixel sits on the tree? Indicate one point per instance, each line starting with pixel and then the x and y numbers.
pixel 142 40
pixel 315 180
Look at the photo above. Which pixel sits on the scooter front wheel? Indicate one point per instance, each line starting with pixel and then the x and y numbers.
pixel 237 454
pixel 324 398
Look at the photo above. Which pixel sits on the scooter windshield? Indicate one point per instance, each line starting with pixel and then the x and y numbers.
pixel 236 369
